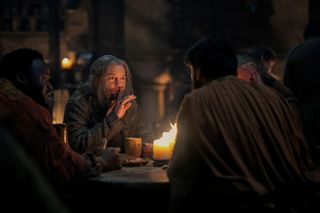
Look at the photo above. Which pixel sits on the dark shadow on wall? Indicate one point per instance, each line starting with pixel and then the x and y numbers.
pixel 243 23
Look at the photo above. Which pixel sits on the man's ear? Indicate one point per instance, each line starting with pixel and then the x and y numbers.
pixel 22 78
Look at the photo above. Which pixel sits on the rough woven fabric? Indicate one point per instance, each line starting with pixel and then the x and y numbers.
pixel 237 137
pixel 88 124
pixel 34 129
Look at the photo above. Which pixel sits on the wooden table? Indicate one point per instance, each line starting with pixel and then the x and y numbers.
pixel 133 177
pixel 131 189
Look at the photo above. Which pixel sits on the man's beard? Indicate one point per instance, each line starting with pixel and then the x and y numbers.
pixel 107 99
pixel 38 97
pixel 34 94
pixel 114 96
pixel 104 101
pixel 50 101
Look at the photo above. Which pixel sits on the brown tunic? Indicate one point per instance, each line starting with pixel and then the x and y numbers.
pixel 236 136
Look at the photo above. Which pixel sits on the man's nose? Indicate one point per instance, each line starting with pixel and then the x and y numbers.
pixel 116 82
pixel 119 83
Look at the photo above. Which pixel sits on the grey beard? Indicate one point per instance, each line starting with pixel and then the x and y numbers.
pixel 113 97
pixel 105 102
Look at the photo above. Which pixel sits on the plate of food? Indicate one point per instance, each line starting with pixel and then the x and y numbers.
pixel 134 162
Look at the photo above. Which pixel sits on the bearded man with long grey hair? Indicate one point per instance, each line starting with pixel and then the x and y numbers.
pixel 103 110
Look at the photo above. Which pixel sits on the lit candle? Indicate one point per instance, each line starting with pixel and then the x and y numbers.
pixel 163 147
pixel 66 63
pixel 161 150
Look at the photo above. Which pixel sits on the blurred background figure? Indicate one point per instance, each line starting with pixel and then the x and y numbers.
pixel 251 69
pixel 266 55
pixel 302 76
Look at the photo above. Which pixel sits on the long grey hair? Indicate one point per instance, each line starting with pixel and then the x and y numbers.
pixel 99 67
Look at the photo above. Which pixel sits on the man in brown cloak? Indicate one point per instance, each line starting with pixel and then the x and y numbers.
pixel 239 145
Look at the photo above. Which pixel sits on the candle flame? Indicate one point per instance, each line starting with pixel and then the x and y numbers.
pixel 168 136
pixel 66 63
pixel 165 143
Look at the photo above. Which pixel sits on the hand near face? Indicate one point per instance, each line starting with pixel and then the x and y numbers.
pixel 124 105
pixel 121 106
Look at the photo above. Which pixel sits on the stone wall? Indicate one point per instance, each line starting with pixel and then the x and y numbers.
pixel 147 49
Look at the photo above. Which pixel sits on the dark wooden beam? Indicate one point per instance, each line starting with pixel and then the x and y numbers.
pixel 106 19
pixel 54 43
